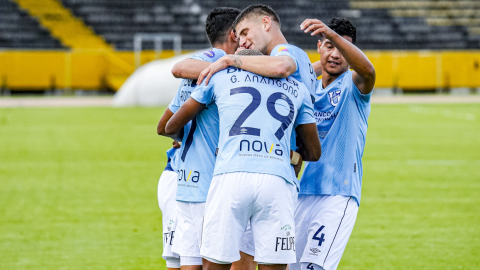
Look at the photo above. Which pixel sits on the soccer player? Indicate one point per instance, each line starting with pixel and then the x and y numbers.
pixel 167 188
pixel 330 188
pixel 252 179
pixel 187 235
pixel 258 27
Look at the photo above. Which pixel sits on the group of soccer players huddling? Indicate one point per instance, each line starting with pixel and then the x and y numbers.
pixel 247 114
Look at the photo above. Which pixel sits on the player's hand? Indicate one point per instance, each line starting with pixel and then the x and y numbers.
pixel 317 27
pixel 207 73
pixel 298 167
pixel 176 144
pixel 239 49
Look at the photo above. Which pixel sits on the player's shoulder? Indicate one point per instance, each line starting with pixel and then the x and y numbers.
pixel 346 79
pixel 211 55
pixel 287 48
pixel 294 81
pixel 221 76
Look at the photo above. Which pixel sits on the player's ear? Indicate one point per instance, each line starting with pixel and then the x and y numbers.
pixel 266 22
pixel 319 45
pixel 233 36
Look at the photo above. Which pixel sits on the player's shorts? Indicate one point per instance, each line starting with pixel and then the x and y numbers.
pixel 188 236
pixel 323 225
pixel 248 243
pixel 268 201
pixel 167 189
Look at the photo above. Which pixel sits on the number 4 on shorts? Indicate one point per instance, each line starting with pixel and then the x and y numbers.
pixel 320 239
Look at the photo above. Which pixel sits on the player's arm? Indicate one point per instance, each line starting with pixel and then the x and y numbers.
pixel 280 66
pixel 187 112
pixel 308 142
pixel 189 68
pixel 161 126
pixel 364 75
pixel 163 122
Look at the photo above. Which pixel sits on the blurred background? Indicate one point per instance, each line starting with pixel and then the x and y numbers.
pixel 92 46
pixel 83 84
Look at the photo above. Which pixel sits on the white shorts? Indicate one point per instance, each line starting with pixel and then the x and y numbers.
pixel 268 201
pixel 323 224
pixel 167 189
pixel 248 243
pixel 188 236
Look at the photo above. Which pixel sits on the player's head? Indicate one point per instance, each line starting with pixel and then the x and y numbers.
pixel 332 60
pixel 255 27
pixel 219 25
pixel 249 52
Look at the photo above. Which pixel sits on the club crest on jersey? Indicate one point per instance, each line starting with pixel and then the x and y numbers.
pixel 209 54
pixel 334 97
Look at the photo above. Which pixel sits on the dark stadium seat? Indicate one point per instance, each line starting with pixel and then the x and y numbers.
pixel 378 26
pixel 19 30
pixel 386 24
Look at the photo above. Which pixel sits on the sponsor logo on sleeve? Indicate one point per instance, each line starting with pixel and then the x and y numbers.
pixel 282 49
pixel 210 54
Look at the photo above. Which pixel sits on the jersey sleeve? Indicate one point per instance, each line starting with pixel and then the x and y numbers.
pixel 175 103
pixel 280 50
pixel 305 113
pixel 363 98
pixel 204 93
pixel 209 56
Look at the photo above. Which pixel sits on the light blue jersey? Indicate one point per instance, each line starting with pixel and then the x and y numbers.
pixel 257 115
pixel 171 161
pixel 188 181
pixel 341 112
pixel 304 72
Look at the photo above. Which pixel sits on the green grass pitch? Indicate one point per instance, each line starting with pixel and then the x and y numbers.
pixel 78 189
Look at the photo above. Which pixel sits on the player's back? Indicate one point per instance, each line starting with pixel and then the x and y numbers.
pixel 257 116
pixel 190 188
pixel 197 159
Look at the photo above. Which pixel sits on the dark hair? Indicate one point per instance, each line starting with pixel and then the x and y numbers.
pixel 343 27
pixel 249 52
pixel 219 23
pixel 258 9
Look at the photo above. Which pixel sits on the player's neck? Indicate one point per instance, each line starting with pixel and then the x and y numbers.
pixel 227 47
pixel 277 39
pixel 328 78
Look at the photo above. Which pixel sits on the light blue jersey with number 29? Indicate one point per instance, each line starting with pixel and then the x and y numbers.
pixel 257 115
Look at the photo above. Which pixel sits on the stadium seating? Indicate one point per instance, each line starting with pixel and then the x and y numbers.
pixel 19 30
pixel 424 24
pixel 95 38
pixel 387 24
pixel 117 21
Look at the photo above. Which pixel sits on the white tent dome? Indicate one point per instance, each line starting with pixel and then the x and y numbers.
pixel 151 85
